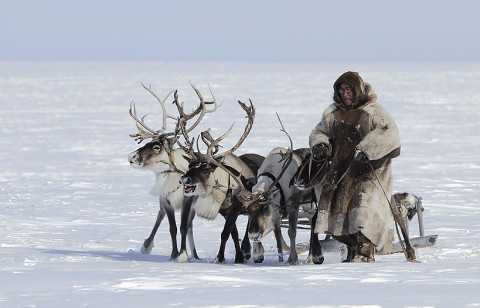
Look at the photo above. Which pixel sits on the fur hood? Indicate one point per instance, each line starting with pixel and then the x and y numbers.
pixel 362 92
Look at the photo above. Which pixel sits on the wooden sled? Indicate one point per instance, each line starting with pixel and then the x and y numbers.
pixel 408 210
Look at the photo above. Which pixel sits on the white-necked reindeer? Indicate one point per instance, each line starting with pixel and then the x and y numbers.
pixel 209 180
pixel 169 164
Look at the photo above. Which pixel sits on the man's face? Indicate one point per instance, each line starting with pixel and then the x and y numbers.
pixel 346 93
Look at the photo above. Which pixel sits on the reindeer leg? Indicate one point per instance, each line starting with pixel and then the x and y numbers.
pixel 246 247
pixel 258 252
pixel 315 253
pixel 230 227
pixel 223 238
pixel 185 215
pixel 190 234
pixel 277 230
pixel 239 258
pixel 238 209
pixel 292 234
pixel 173 230
pixel 227 230
pixel 148 243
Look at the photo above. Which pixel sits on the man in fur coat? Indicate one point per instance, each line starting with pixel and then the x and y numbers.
pixel 360 138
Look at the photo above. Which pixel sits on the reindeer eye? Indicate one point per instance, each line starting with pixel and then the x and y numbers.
pixel 157 147
pixel 204 166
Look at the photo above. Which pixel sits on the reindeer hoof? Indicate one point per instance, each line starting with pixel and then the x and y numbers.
pixel 258 259
pixel 292 262
pixel 220 260
pixel 318 259
pixel 183 258
pixel 146 248
pixel 240 260
pixel 195 255
pixel 174 255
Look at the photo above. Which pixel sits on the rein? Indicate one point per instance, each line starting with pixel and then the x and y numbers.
pixel 279 187
pixel 310 162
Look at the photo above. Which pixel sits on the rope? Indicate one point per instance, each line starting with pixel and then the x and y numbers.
pixel 310 162
pixel 410 253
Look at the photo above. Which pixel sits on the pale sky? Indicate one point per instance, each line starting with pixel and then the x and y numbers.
pixel 239 31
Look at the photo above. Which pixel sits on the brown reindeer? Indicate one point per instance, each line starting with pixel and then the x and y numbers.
pixel 218 180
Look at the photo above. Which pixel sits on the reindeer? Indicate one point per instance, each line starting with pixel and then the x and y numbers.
pixel 168 163
pixel 209 180
pixel 274 198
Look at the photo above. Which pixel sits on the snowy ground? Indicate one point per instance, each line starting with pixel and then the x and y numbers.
pixel 73 213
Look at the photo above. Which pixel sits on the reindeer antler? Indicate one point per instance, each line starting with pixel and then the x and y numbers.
pixel 208 139
pixel 188 147
pixel 214 144
pixel 244 193
pixel 250 110
pixel 202 108
pixel 145 132
pixel 287 157
pixel 200 111
pixel 164 110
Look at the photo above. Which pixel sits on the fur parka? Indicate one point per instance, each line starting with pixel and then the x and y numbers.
pixel 351 199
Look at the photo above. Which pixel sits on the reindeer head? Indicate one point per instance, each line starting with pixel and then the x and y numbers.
pixel 260 214
pixel 211 171
pixel 154 155
pixel 268 195
pixel 158 153
pixel 202 178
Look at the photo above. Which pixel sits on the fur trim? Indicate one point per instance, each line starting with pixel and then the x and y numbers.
pixel 362 92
